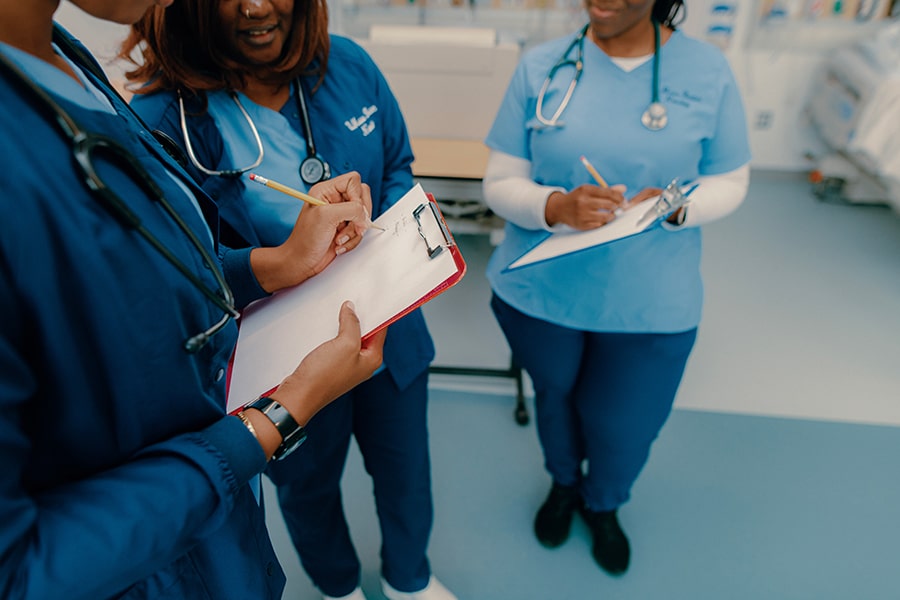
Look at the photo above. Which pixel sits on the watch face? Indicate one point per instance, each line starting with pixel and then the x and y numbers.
pixel 292 434
pixel 289 445
pixel 313 170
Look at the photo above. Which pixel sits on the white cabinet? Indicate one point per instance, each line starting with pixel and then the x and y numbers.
pixel 775 48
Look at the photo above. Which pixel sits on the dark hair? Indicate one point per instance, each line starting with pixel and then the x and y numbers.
pixel 666 12
pixel 181 47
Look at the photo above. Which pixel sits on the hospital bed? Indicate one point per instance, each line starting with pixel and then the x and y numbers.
pixel 854 105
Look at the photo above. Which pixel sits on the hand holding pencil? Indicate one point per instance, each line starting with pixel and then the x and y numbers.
pixel 590 168
pixel 310 199
pixel 328 229
pixel 601 182
pixel 585 207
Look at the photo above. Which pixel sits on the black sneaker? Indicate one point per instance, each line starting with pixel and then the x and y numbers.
pixel 554 518
pixel 610 548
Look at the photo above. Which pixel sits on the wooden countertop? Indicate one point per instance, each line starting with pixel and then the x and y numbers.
pixel 462 159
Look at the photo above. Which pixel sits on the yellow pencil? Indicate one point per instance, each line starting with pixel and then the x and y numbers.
pixel 587 165
pixel 296 194
pixel 600 181
pixel 286 190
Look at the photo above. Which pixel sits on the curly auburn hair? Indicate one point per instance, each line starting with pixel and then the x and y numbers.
pixel 182 47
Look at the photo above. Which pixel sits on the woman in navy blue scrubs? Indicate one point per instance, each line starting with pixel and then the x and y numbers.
pixel 122 475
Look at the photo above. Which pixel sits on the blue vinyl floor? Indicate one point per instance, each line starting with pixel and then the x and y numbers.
pixel 777 476
pixel 728 507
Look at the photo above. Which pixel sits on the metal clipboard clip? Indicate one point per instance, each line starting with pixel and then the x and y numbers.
pixel 445 242
pixel 671 199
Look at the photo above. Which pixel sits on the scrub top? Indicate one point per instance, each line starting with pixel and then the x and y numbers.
pixel 272 213
pixel 645 283
pixel 122 476
pixel 357 125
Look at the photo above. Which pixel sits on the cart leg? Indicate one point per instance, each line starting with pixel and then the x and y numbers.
pixel 521 412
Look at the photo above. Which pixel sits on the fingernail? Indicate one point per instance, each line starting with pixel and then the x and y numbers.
pixel 343 239
pixel 351 306
pixel 340 250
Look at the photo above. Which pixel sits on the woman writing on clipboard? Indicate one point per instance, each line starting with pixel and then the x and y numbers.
pixel 259 86
pixel 605 332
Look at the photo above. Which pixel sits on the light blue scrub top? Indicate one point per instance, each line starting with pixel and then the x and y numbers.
pixel 645 283
pixel 273 213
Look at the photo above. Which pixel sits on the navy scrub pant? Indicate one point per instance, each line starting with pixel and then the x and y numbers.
pixel 599 397
pixel 391 431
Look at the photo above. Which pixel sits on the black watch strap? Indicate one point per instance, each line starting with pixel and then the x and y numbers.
pixel 292 434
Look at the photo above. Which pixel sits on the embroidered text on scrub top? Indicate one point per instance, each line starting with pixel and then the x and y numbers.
pixel 363 122
pixel 680 97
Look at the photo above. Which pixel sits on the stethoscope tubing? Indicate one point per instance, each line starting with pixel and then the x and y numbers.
pixel 312 168
pixel 232 173
pixel 563 61
pixel 83 142
pixel 304 117
pixel 654 118
pixel 321 165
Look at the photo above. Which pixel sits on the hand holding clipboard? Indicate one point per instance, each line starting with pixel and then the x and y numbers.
pixel 631 221
pixel 386 277
pixel 670 200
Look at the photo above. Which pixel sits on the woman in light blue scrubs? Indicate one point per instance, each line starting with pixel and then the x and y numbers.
pixel 320 106
pixel 605 333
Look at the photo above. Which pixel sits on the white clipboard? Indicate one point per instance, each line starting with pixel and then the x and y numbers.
pixel 625 225
pixel 566 242
pixel 387 276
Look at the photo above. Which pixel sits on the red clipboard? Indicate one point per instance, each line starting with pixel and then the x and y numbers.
pixel 386 277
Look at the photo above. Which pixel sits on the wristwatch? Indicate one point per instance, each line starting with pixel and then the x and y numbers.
pixel 292 434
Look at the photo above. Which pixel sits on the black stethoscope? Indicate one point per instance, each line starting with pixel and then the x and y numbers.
pixel 655 117
pixel 84 145
pixel 312 169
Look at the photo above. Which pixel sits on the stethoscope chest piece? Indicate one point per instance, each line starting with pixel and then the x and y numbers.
pixel 313 170
pixel 655 117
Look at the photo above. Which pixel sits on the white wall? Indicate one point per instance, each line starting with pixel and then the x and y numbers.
pixel 101 37
pixel 773 63
pixel 775 83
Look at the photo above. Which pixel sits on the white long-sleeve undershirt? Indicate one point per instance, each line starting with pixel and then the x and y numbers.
pixel 511 194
